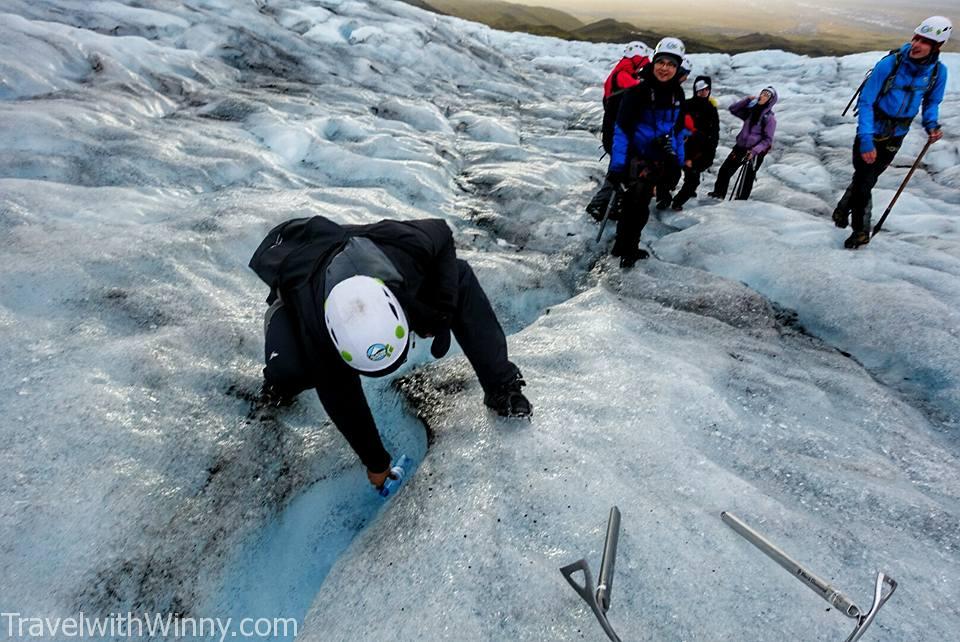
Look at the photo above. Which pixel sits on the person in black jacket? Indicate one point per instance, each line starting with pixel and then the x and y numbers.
pixel 700 148
pixel 343 300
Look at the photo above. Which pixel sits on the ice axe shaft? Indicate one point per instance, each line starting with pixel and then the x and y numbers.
pixel 816 584
pixel 608 561
pixel 886 212
pixel 606 212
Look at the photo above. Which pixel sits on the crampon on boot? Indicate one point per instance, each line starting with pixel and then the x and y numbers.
pixel 840 218
pixel 857 239
pixel 508 401
pixel 630 258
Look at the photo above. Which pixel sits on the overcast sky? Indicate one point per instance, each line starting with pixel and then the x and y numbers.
pixel 766 15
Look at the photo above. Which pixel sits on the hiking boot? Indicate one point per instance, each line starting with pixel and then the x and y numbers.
pixel 662 205
pixel 857 239
pixel 677 207
pixel 595 210
pixel 629 259
pixel 840 218
pixel 716 195
pixel 270 396
pixel 508 401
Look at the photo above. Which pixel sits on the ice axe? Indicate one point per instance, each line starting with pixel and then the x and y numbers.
pixel 598 598
pixel 614 195
pixel 886 212
pixel 883 589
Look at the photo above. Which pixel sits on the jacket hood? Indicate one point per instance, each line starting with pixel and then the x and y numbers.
pixel 705 79
pixel 773 99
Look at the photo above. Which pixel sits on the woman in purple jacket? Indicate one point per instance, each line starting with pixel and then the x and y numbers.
pixel 753 141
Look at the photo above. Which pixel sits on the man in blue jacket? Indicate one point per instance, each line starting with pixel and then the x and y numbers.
pixel 899 85
pixel 647 145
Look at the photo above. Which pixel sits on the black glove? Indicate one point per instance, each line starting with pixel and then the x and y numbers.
pixel 424 319
pixel 441 343
pixel 618 180
pixel 666 146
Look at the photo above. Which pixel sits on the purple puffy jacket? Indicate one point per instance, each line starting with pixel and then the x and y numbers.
pixel 756 137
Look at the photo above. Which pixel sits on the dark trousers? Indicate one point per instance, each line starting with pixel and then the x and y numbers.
pixel 857 200
pixel 634 214
pixel 474 325
pixel 669 180
pixel 691 180
pixel 730 165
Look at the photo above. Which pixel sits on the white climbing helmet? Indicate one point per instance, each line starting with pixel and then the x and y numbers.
pixel 367 324
pixel 936 28
pixel 637 49
pixel 671 47
pixel 686 65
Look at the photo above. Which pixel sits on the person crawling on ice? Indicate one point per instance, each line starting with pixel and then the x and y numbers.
pixel 343 302
pixel 753 142
pixel 636 56
pixel 899 85
pixel 647 145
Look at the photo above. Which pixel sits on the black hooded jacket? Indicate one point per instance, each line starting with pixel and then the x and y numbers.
pixel 293 260
pixel 701 146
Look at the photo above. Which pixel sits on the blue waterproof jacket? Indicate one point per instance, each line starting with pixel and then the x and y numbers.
pixel 890 114
pixel 649 112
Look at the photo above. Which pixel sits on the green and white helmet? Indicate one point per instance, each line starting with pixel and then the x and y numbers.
pixel 637 49
pixel 936 28
pixel 366 324
pixel 673 47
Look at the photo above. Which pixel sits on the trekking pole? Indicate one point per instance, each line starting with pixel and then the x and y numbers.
pixel 750 173
pixel 886 213
pixel 606 213
pixel 738 183
pixel 819 586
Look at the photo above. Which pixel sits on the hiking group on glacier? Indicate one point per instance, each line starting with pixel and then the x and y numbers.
pixel 345 300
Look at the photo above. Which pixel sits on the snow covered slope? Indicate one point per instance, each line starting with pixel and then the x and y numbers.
pixel 145 159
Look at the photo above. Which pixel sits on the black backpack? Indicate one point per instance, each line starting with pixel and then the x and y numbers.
pixel 294 250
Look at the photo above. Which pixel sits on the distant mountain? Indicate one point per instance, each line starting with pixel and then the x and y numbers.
pixel 607 30
pixel 420 4
pixel 543 21
pixel 505 16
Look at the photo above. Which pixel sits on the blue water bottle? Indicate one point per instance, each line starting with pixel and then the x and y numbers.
pixel 396 477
